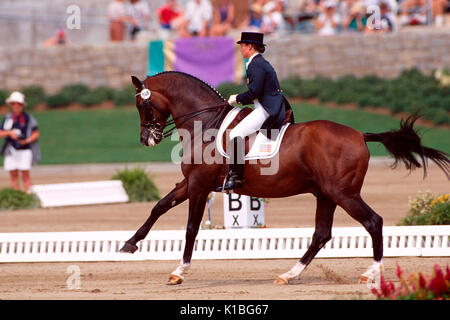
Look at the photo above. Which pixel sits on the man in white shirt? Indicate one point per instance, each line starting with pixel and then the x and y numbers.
pixel 198 15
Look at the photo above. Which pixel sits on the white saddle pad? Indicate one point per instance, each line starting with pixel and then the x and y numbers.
pixel 262 148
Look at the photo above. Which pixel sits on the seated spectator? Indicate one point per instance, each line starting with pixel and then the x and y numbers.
pixel 438 9
pixel 223 18
pixel 254 20
pixel 308 11
pixel 385 24
pixel 58 40
pixel 117 18
pixel 273 20
pixel 139 15
pixel 170 18
pixel 328 21
pixel 413 12
pixel 197 18
pixel 356 20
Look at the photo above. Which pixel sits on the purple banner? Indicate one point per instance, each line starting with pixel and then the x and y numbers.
pixel 210 59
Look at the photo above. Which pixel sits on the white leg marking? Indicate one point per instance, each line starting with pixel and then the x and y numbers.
pixel 181 269
pixel 294 273
pixel 373 273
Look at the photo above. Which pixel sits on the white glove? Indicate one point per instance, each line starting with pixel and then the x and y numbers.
pixel 232 99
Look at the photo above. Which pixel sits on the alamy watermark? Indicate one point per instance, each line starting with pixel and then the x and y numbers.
pixel 73 282
pixel 73 21
pixel 200 147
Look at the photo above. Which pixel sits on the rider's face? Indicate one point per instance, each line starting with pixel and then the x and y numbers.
pixel 246 50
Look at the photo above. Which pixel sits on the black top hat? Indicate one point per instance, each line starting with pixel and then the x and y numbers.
pixel 252 37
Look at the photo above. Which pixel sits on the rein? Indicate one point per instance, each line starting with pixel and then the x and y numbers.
pixel 189 116
pixel 156 128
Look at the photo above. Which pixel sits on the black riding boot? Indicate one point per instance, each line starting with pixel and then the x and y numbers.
pixel 235 174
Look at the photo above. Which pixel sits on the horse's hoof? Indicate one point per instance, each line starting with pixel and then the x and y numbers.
pixel 280 281
pixel 128 248
pixel 174 279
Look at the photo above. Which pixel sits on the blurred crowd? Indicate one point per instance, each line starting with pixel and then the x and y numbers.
pixel 272 17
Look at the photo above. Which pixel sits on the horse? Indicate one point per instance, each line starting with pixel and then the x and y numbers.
pixel 324 158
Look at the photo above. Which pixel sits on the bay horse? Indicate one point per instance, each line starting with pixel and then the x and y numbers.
pixel 324 158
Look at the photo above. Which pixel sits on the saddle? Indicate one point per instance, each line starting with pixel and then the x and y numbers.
pixel 257 145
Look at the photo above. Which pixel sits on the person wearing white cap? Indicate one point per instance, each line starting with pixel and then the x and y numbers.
pixel 20 148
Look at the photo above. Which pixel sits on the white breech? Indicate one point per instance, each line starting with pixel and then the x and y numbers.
pixel 251 122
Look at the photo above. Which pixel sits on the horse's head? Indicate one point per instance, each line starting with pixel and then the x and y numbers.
pixel 153 113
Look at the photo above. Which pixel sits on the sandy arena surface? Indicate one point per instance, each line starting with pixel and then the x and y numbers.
pixel 386 190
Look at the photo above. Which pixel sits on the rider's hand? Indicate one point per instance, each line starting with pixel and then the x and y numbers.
pixel 232 99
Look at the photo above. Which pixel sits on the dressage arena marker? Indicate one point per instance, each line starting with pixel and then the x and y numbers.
pixel 80 193
pixel 271 243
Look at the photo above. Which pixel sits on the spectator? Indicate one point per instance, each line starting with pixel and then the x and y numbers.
pixel 139 15
pixel 223 18
pixel 59 39
pixel 385 24
pixel 170 17
pixel 273 20
pixel 20 149
pixel 254 20
pixel 356 20
pixel 438 9
pixel 198 16
pixel 413 12
pixel 117 19
pixel 328 21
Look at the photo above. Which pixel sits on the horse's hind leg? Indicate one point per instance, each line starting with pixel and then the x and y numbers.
pixel 175 197
pixel 373 223
pixel 324 221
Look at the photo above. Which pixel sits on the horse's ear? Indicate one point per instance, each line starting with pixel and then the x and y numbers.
pixel 137 83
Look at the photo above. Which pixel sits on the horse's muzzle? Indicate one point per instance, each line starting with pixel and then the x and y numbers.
pixel 149 139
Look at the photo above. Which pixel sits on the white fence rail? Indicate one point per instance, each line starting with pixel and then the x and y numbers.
pixel 220 244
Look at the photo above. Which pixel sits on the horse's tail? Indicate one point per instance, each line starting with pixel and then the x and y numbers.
pixel 403 143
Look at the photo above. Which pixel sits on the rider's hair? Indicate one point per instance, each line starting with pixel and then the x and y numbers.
pixel 258 47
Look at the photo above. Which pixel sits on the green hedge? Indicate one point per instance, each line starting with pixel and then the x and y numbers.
pixel 138 185
pixel 11 199
pixel 410 91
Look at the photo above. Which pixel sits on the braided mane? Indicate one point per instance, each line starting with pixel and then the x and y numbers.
pixel 191 77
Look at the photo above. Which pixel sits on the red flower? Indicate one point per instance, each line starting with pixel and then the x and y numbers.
pixel 422 281
pixel 437 284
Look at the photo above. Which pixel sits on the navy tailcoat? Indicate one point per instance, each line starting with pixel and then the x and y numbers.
pixel 262 83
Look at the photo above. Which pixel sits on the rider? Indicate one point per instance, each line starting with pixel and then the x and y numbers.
pixel 265 93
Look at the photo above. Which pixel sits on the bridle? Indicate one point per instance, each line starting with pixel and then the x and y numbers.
pixel 155 128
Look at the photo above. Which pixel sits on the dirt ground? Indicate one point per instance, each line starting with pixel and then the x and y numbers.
pixel 385 190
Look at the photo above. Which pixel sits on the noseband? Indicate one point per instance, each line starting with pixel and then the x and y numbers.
pixel 155 128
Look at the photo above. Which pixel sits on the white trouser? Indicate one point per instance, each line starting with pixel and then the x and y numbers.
pixel 251 123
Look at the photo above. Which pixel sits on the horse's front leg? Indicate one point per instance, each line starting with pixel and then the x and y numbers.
pixel 197 202
pixel 175 197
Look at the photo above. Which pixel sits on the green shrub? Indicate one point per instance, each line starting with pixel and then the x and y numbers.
pixel 33 96
pixel 438 116
pixel 57 100
pixel 427 209
pixel 73 91
pixel 11 199
pixel 3 96
pixel 125 96
pixel 291 86
pixel 137 184
pixel 309 89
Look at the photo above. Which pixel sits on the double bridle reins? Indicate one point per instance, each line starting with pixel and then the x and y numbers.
pixel 156 129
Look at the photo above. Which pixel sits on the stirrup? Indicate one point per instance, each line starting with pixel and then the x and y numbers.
pixel 233 182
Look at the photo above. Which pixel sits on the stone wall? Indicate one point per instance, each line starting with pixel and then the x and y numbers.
pixel 385 55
